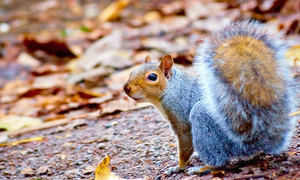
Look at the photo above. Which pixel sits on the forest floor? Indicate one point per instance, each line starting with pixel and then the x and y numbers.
pixel 62 68
pixel 140 144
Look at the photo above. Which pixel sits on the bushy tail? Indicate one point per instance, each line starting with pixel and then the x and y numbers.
pixel 246 79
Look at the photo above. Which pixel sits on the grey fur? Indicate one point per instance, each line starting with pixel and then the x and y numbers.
pixel 200 102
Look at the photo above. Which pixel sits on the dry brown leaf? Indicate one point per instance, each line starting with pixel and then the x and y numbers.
pixel 14 143
pixel 124 103
pixel 50 81
pixel 113 11
pixel 151 16
pixel 27 60
pixel 103 171
pixel 117 80
pixel 86 75
pixel 172 8
pixel 195 9
pixel 57 47
pixel 13 122
pixel 166 46
pixel 211 24
pixel 107 51
pixel 87 92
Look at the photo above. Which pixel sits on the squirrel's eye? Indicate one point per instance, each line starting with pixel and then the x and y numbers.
pixel 152 77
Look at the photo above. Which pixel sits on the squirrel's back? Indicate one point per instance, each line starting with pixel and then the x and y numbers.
pixel 247 83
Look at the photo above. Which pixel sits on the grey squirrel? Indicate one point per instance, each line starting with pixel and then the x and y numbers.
pixel 237 105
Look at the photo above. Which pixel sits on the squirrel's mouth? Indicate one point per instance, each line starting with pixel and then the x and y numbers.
pixel 137 99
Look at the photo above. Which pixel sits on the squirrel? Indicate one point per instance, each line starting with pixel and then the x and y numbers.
pixel 236 105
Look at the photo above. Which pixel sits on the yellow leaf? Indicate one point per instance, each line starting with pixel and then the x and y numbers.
pixel 14 143
pixel 293 54
pixel 103 171
pixel 113 11
pixel 13 122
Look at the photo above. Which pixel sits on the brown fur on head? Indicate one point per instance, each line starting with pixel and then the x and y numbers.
pixel 148 82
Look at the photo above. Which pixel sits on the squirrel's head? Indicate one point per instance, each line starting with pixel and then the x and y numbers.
pixel 148 82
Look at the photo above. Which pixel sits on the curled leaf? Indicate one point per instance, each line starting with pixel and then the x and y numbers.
pixel 12 122
pixel 113 11
pixel 103 171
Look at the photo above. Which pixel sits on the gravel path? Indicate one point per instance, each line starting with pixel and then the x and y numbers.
pixel 140 145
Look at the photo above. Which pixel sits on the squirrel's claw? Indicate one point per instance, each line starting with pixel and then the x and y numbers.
pixel 199 170
pixel 173 170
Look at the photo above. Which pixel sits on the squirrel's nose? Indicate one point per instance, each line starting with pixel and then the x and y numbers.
pixel 126 88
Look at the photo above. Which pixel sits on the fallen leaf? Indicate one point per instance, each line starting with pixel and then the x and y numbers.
pixel 103 171
pixel 87 93
pixel 12 122
pixel 52 47
pixel 14 143
pixel 27 60
pixel 104 98
pixel 106 52
pixel 211 24
pixel 151 16
pixel 85 75
pixel 113 11
pixel 195 9
pixel 165 46
pixel 124 103
pixel 117 80
pixel 172 8
pixel 50 81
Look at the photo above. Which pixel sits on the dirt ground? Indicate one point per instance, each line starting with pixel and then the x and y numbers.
pixel 52 36
pixel 140 145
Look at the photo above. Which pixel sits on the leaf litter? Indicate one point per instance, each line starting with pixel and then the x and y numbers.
pixel 68 75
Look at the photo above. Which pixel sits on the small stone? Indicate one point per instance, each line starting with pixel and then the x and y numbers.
pixel 257 171
pixel 88 170
pixel 114 123
pixel 3 138
pixel 9 172
pixel 101 146
pixel 28 172
pixel 147 178
pixel 72 173
pixel 42 170
pixel 79 162
pixel 283 170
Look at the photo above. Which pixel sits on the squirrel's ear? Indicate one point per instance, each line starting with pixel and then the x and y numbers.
pixel 147 59
pixel 166 64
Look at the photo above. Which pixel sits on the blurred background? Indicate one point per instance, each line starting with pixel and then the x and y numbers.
pixel 65 53
pixel 65 60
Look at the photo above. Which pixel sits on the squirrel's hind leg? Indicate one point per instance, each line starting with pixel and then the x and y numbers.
pixel 209 140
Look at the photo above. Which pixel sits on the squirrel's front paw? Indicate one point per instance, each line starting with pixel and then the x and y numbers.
pixel 175 169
